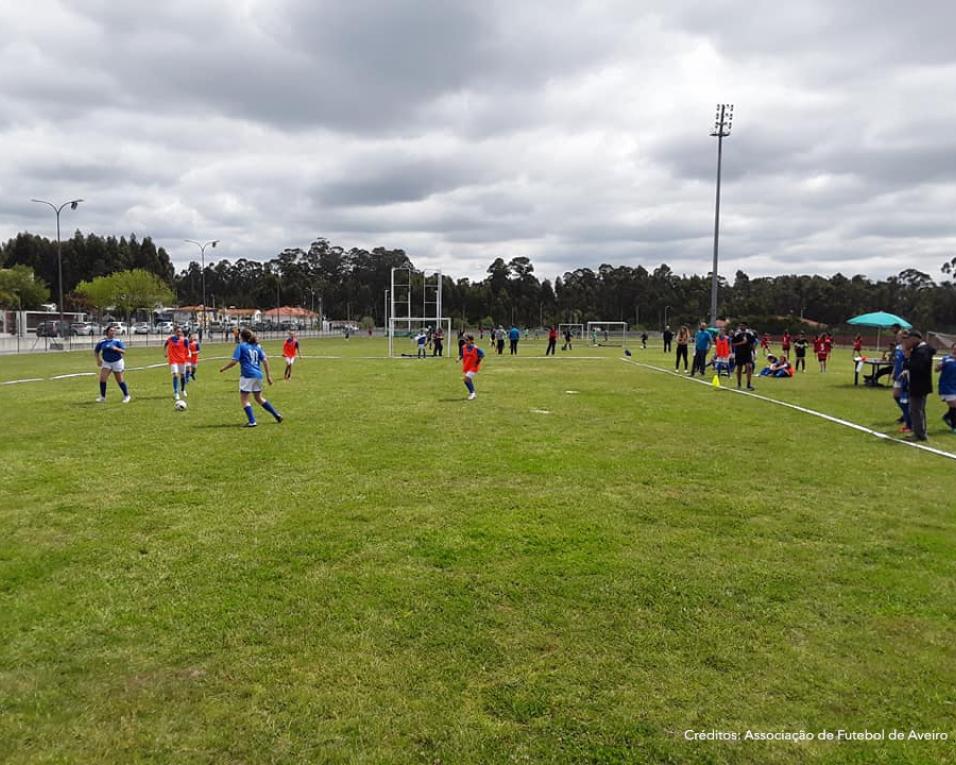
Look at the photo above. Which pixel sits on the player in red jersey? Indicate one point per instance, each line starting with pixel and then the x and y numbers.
pixel 785 342
pixel 290 352
pixel 765 343
pixel 177 354
pixel 471 356
pixel 819 348
pixel 192 360
pixel 857 345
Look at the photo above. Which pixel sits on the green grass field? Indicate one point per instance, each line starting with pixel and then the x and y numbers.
pixel 397 575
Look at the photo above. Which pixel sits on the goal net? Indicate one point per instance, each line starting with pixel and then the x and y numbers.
pixel 607 333
pixel 420 337
pixel 576 330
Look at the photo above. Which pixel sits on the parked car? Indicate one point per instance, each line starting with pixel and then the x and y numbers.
pixel 120 327
pixel 164 328
pixel 54 329
pixel 88 328
pixel 141 328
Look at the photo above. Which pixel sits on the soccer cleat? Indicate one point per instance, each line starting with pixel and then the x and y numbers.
pixel 279 418
pixel 751 387
pixel 176 397
pixel 185 395
pixel 472 396
pixel 905 429
pixel 127 399
pixel 100 399
pixel 250 424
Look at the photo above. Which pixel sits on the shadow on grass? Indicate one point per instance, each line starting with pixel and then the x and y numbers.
pixel 224 425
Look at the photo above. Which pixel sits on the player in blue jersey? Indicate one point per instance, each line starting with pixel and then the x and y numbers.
pixel 109 353
pixel 946 367
pixel 252 361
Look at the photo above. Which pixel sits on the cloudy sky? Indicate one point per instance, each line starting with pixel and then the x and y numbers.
pixel 575 133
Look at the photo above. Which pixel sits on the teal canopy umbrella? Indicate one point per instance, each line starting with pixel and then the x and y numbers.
pixel 881 320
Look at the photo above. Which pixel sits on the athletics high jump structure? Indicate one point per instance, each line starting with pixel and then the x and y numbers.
pixel 411 289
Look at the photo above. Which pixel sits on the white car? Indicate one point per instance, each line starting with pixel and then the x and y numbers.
pixel 120 327
pixel 164 328
pixel 141 328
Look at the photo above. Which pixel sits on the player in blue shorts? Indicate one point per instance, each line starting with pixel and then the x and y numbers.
pixel 252 361
pixel 946 367
pixel 109 354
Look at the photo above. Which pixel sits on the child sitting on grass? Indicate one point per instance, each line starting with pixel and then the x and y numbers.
pixel 779 367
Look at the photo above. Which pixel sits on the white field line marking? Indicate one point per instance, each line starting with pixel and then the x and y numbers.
pixel 821 415
pixel 27 380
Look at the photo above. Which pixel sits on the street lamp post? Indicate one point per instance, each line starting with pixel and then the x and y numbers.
pixel 311 306
pixel 202 258
pixel 73 203
pixel 723 122
pixel 667 308
pixel 19 317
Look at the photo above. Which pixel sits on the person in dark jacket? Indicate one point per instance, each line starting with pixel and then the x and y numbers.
pixel 667 336
pixel 919 370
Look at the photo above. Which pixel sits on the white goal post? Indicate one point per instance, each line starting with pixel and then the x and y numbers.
pixel 403 337
pixel 577 330
pixel 607 333
pixel 404 323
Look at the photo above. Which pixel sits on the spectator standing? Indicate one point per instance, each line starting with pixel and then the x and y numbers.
pixel 501 339
pixel 552 340
pixel 919 367
pixel 899 378
pixel 683 338
pixel 667 336
pixel 702 342
pixel 744 343
pixel 947 386
pixel 514 335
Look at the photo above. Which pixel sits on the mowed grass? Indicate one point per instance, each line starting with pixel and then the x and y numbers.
pixel 395 574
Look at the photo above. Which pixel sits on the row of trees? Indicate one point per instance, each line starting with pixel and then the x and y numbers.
pixel 351 283
pixel 85 257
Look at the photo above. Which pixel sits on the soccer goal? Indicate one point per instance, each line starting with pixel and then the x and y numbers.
pixel 404 333
pixel 607 333
pixel 577 330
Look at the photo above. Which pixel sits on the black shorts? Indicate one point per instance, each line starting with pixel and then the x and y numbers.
pixel 742 359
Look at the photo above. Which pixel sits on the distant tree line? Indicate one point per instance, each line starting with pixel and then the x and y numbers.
pixel 351 283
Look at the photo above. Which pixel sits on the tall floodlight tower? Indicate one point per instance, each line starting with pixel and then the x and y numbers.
pixel 723 122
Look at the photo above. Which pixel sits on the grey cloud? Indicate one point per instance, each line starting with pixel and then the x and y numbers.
pixel 573 132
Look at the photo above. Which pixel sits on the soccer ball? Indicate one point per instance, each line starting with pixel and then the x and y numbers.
pixel 181 406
